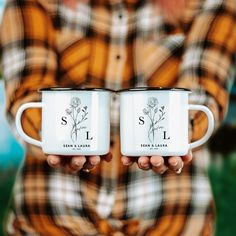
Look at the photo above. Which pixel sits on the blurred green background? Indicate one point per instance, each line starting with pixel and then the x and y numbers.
pixel 222 169
pixel 11 156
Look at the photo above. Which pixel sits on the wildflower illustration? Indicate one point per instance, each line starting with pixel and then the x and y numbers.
pixel 155 116
pixel 78 115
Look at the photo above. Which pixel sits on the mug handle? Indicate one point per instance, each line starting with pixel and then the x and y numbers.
pixel 210 128
pixel 19 126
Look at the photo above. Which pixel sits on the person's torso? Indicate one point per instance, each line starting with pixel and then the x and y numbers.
pixel 114 45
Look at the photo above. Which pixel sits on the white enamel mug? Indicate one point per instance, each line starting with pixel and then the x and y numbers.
pixel 74 121
pixel 154 121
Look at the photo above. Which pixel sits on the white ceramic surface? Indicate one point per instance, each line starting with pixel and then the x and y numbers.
pixel 155 122
pixel 73 121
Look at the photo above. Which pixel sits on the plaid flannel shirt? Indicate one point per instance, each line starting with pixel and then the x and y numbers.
pixel 115 44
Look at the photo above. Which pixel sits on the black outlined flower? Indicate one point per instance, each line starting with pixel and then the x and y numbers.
pixel 151 111
pixel 68 111
pixel 152 102
pixel 75 102
pixel 78 115
pixel 145 111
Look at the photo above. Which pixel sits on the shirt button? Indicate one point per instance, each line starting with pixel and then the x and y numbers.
pixel 118 57
pixel 120 16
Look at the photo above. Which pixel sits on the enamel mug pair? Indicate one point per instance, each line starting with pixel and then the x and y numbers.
pixel 153 121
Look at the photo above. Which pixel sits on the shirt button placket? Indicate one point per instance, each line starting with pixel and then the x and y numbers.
pixel 120 18
pixel 117 54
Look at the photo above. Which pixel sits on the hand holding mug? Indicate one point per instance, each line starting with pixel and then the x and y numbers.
pixel 75 126
pixel 73 164
pixel 159 164
pixel 154 128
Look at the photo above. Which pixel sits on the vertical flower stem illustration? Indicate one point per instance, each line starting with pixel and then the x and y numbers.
pixel 77 117
pixel 151 111
pixel 153 125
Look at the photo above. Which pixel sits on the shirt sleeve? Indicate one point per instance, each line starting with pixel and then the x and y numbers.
pixel 29 59
pixel 208 61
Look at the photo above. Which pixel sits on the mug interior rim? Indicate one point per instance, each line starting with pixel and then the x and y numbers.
pixel 60 89
pixel 138 89
pixel 133 89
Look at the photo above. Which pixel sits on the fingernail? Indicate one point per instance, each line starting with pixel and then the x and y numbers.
pixel 174 163
pixel 179 171
pixel 53 161
pixel 94 162
pixel 77 164
pixel 144 165
pixel 127 162
pixel 157 164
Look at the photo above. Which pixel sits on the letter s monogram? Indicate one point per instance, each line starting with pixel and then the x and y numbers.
pixel 141 120
pixel 64 121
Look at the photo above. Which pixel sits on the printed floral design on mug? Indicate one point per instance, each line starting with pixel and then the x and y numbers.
pixel 78 115
pixel 152 111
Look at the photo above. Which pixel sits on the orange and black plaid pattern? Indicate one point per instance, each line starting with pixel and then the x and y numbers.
pixel 115 44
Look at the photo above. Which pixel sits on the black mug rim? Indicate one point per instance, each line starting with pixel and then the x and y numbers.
pixel 138 89
pixel 60 89
pixel 133 89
